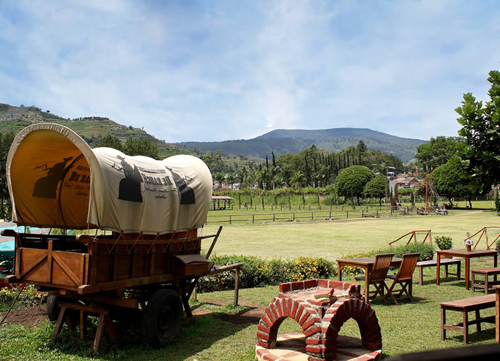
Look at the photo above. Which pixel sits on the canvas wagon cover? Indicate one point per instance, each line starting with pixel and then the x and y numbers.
pixel 56 180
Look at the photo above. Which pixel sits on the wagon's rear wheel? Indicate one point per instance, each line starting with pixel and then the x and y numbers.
pixel 162 318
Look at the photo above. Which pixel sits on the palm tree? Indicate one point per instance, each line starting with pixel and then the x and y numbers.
pixel 219 178
pixel 230 180
pixel 297 180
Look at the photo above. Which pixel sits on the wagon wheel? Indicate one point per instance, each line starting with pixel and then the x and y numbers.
pixel 161 320
pixel 53 308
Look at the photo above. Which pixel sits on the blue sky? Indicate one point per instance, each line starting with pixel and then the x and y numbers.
pixel 220 70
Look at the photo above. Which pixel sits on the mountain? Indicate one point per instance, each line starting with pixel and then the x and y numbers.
pixel 283 141
pixel 279 141
pixel 91 129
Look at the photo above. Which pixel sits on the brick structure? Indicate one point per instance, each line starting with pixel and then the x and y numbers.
pixel 320 307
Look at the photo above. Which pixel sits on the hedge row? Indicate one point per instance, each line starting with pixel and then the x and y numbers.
pixel 257 272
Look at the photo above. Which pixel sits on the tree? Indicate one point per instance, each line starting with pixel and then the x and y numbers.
pixel 5 143
pixel 140 147
pixel 219 178
pixel 448 180
pixel 438 151
pixel 297 180
pixel 230 179
pixel 361 151
pixel 376 188
pixel 110 141
pixel 480 156
pixel 351 181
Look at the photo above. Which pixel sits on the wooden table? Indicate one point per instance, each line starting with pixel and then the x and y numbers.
pixel 366 264
pixel 497 314
pixel 467 255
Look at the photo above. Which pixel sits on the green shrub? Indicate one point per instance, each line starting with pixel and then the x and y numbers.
pixel 444 242
pixel 257 272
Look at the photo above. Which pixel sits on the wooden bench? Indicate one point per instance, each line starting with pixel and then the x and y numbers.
pixel 433 263
pixel 485 272
pixel 465 306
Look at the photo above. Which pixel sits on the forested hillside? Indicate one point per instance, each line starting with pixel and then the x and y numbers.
pixel 283 141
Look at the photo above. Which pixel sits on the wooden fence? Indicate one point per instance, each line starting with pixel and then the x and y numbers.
pixel 315 215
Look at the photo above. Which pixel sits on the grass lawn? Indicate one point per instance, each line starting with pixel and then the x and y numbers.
pixel 222 332
pixel 335 239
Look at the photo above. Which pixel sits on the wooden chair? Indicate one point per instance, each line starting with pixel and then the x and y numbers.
pixel 404 277
pixel 377 276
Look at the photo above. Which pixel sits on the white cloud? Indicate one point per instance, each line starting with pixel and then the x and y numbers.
pixel 217 71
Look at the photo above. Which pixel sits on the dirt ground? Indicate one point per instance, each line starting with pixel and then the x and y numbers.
pixel 28 317
pixel 35 316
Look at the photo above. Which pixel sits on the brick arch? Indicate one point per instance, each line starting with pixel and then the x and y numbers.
pixel 344 309
pixel 281 308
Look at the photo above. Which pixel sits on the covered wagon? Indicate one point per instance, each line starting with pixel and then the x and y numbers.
pixel 139 245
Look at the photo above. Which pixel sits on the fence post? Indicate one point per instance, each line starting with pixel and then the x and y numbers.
pixel 274 217
pixel 330 214
pixel 347 214
pixel 253 218
pixel 312 216
pixel 294 216
pixel 229 219
pixel 377 212
pixel 362 213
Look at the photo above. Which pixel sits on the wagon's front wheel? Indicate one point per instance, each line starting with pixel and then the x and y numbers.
pixel 162 318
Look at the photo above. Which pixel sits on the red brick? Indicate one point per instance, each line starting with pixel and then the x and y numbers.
pixel 375 330
pixel 313 348
pixel 312 341
pixel 293 311
pixel 373 338
pixel 310 283
pixel 336 323
pixel 299 313
pixel 308 324
pixel 266 320
pixel 271 357
pixel 322 283
pixel 263 344
pixel 289 304
pixel 263 328
pixel 312 330
pixel 335 284
pixel 285 287
pixel 297 286
pixel 261 351
pixel 279 309
pixel 331 343
pixel 304 317
pixel 374 347
pixel 263 336
pixel 270 314
pixel 274 310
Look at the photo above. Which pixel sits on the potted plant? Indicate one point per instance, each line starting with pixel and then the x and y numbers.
pixel 444 242
pixel 468 243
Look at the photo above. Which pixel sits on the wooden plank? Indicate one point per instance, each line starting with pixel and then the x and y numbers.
pixel 49 259
pixel 30 265
pixel 65 268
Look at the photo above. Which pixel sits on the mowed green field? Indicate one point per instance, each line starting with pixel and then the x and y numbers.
pixel 335 239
